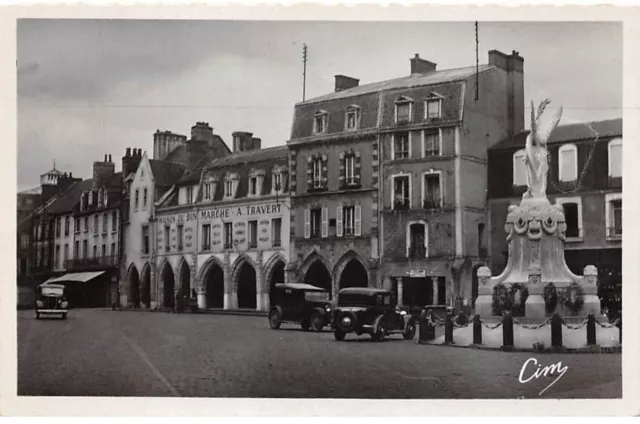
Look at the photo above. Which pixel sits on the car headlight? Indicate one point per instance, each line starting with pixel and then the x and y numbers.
pixel 346 321
pixel 39 303
pixel 327 308
pixel 64 304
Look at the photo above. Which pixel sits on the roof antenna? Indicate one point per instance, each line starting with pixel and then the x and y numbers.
pixel 477 66
pixel 304 71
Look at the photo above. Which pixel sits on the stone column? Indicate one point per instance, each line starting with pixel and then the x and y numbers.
pixel 484 302
pixel 590 288
pixel 535 306
pixel 261 301
pixel 202 298
pixel 400 291
pixel 230 298
pixel 153 289
pixel 435 290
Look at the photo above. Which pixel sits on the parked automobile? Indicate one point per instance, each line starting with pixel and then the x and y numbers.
pixel 300 303
pixel 51 299
pixel 370 311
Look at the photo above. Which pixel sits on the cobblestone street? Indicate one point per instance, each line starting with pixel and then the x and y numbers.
pixel 107 353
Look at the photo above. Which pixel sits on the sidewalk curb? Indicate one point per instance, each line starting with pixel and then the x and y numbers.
pixel 236 312
pixel 586 349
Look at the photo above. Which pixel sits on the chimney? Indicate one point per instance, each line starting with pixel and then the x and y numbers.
pixel 344 82
pixel 421 66
pixel 166 142
pixel 130 162
pixel 513 66
pixel 109 158
pixel 201 131
pixel 102 171
pixel 256 143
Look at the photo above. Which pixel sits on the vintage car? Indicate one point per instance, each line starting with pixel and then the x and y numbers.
pixel 300 303
pixel 370 311
pixel 51 299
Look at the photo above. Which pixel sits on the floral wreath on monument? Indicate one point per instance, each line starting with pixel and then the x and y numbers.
pixel 572 297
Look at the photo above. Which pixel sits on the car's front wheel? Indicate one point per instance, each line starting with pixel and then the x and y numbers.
pixel 317 322
pixel 410 331
pixel 274 319
pixel 339 335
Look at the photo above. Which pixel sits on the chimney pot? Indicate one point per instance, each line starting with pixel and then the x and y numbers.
pixel 105 158
pixel 109 158
pixel 128 152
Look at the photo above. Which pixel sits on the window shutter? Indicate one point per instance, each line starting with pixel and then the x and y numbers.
pixel 342 170
pixel 325 223
pixel 309 172
pixel 357 168
pixel 325 171
pixel 358 220
pixel 339 221
pixel 307 223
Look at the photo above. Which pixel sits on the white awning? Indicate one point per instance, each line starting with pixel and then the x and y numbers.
pixel 82 277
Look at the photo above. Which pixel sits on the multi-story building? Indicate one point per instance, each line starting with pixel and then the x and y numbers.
pixel 221 233
pixel 585 177
pixel 388 179
pixel 147 182
pixel 435 130
pixel 84 228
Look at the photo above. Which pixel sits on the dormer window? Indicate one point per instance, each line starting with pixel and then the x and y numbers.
pixel 320 121
pixel 278 179
pixel 404 109
pixel 353 118
pixel 256 179
pixel 253 186
pixel 82 200
pixel 230 186
pixel 104 199
pixel 189 191
pixel 209 188
pixel 100 198
pixel 91 198
pixel 433 107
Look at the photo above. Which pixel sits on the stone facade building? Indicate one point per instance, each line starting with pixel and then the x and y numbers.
pixel 388 179
pixel 147 182
pixel 585 177
pixel 221 233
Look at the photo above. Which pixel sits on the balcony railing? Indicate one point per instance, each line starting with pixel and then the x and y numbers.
pixel 401 205
pixel 431 203
pixel 93 263
pixel 417 251
pixel 614 232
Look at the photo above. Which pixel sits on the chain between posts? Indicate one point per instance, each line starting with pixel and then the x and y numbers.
pixel 489 327
pixel 532 327
pixel 575 327
pixel 615 323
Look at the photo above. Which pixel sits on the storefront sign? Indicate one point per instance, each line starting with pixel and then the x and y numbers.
pixel 417 273
pixel 240 211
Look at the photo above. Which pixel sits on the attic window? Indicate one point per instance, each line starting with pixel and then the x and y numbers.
pixel 404 109
pixel 82 199
pixel 253 186
pixel 104 200
pixel 320 122
pixel 90 198
pixel 230 186
pixel 433 107
pixel 100 198
pixel 353 118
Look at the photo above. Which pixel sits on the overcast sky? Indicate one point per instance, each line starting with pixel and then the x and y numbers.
pixel 89 88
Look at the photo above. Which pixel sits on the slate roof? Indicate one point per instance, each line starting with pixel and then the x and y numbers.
pixel 437 77
pixel 165 173
pixel 241 163
pixel 572 132
pixel 214 149
pixel 70 197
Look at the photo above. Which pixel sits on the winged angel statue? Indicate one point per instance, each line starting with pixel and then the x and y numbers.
pixel 536 157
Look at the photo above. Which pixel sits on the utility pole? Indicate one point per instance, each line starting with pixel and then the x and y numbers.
pixel 477 66
pixel 304 71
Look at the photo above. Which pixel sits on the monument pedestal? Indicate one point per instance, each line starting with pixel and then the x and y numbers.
pixel 536 273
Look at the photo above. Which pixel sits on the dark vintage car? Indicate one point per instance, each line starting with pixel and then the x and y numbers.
pixel 300 303
pixel 370 311
pixel 51 299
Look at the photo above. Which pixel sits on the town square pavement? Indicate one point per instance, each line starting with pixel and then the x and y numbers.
pixel 128 353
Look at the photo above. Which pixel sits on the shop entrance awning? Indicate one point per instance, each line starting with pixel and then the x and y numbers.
pixel 81 277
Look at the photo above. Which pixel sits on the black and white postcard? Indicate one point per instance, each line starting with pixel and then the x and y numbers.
pixel 265 210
